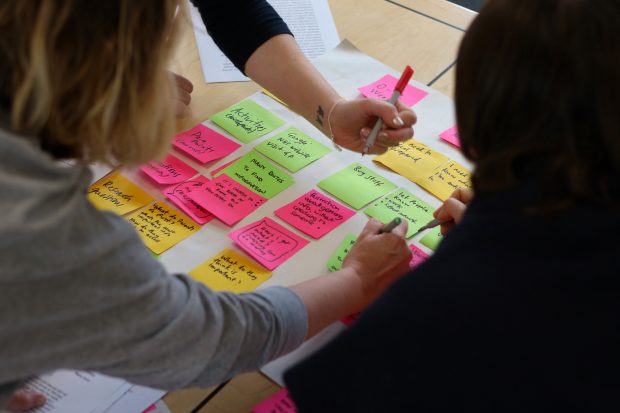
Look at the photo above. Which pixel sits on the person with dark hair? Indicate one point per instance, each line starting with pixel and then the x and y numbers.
pixel 518 309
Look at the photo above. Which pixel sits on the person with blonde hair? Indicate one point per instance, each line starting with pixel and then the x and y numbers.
pixel 86 81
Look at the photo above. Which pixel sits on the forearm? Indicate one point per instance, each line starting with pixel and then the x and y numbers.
pixel 279 66
pixel 329 298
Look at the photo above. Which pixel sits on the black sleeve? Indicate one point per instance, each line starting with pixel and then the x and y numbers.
pixel 239 27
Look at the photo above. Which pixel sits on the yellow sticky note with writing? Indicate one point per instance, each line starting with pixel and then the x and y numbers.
pixel 161 226
pixel 411 159
pixel 445 179
pixel 230 271
pixel 117 194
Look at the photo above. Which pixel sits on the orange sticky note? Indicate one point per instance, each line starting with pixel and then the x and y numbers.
pixel 162 226
pixel 117 194
pixel 411 159
pixel 230 271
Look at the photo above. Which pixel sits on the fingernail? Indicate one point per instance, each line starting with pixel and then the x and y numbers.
pixel 383 135
pixel 398 121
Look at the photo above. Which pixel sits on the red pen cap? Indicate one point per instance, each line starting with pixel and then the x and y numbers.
pixel 404 79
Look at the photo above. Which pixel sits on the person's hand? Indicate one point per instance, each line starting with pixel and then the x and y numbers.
pixel 352 120
pixel 183 89
pixel 453 208
pixel 378 259
pixel 24 399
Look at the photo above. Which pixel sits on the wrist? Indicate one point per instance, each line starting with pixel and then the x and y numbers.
pixel 354 289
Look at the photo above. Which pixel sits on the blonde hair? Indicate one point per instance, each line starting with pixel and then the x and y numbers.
pixel 88 78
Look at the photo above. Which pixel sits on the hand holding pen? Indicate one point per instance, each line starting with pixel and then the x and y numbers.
pixel 451 212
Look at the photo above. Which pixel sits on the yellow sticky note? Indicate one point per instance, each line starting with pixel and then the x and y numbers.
pixel 161 226
pixel 274 97
pixel 445 179
pixel 117 194
pixel 230 271
pixel 411 159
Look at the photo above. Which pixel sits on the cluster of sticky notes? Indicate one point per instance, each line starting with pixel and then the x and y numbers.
pixel 204 144
pixel 171 170
pixel 258 174
pixel 179 195
pixel 334 263
pixel 230 271
pixel 403 204
pixel 426 167
pixel 356 185
pixel 384 87
pixel 280 402
pixel 227 199
pixel 451 136
pixel 247 120
pixel 117 194
pixel 314 214
pixel 432 238
pixel 292 149
pixel 268 242
pixel 161 226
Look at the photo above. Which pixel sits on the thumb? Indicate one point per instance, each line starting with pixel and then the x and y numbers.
pixel 452 209
pixel 385 111
pixel 401 229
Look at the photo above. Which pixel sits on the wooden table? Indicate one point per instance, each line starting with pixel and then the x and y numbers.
pixel 423 33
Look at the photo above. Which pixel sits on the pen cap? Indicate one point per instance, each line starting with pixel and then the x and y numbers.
pixel 404 79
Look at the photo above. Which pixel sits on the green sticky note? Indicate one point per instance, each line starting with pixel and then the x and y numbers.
pixel 335 260
pixel 356 185
pixel 402 203
pixel 255 172
pixel 247 120
pixel 292 149
pixel 432 238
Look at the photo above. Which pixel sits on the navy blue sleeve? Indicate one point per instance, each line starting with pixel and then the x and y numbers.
pixel 239 27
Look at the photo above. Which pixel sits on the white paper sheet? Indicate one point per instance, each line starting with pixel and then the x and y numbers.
pixel 136 399
pixel 310 21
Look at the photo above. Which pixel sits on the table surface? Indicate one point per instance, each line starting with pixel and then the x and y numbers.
pixel 423 33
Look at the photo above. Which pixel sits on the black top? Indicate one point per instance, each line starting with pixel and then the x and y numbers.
pixel 239 27
pixel 513 313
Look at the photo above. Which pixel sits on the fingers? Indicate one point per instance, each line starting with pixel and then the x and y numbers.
pixel 23 400
pixel 386 111
pixel 406 114
pixel 372 227
pixel 183 83
pixel 465 195
pixel 451 210
pixel 401 229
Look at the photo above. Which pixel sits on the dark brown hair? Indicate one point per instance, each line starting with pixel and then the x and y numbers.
pixel 538 83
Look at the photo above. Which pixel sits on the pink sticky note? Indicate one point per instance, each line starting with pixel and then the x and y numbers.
pixel 314 214
pixel 417 256
pixel 451 136
pixel 179 195
pixel 268 242
pixel 204 144
pixel 227 199
pixel 384 87
pixel 216 170
pixel 171 171
pixel 280 402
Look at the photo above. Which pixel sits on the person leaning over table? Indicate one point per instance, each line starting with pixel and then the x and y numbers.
pixel 518 310
pixel 78 289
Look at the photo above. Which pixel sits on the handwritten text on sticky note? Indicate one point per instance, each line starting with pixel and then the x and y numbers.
pixel 247 120
pixel 230 271
pixel 314 214
pixel 384 87
pixel 334 263
pixel 171 170
pixel 204 144
pixel 228 200
pixel 117 194
pixel 292 149
pixel 412 159
pixel 268 242
pixel 445 179
pixel 178 194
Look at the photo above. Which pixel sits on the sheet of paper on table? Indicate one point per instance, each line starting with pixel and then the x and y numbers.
pixel 311 22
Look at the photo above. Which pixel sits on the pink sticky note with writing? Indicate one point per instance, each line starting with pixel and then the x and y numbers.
pixel 384 87
pixel 314 214
pixel 280 402
pixel 216 170
pixel 268 242
pixel 178 194
pixel 417 256
pixel 451 136
pixel 171 171
pixel 204 144
pixel 227 199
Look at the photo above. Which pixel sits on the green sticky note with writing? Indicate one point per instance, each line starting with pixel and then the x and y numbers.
pixel 432 238
pixel 335 260
pixel 247 120
pixel 356 185
pixel 255 172
pixel 402 203
pixel 292 149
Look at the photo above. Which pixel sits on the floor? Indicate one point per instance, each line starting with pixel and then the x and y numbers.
pixel 470 4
